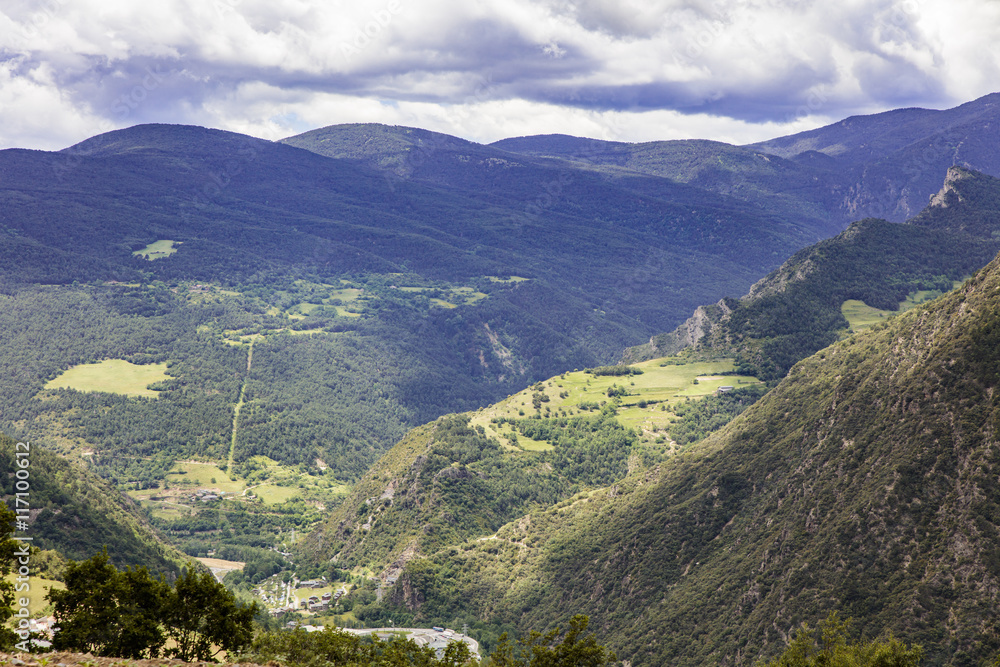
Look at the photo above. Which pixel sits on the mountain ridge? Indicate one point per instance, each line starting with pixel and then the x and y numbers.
pixel 863 483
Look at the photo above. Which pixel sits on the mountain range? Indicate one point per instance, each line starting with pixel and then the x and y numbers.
pixel 863 483
pixel 312 311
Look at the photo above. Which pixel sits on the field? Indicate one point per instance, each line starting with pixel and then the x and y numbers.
pixel 274 484
pixel 861 316
pixel 38 589
pixel 157 250
pixel 451 297
pixel 206 476
pixel 236 337
pixel 272 494
pixel 115 376
pixel 645 405
pixel 511 279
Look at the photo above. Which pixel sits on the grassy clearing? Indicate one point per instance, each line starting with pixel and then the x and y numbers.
pixel 236 338
pixel 166 510
pixel 469 296
pixel 451 297
pixel 115 376
pixel 861 316
pixel 273 483
pixel 306 593
pixel 158 250
pixel 511 279
pixel 272 494
pixel 646 405
pixel 201 476
pixel 38 588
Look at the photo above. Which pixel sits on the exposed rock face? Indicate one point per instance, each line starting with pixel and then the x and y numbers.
pixel 406 594
pixel 694 330
pixel 948 190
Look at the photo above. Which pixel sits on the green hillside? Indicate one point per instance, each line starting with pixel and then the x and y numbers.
pixel 75 512
pixel 864 483
pixel 464 476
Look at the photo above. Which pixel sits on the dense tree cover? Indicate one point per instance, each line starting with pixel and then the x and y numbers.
pixel 130 614
pixel 447 482
pixel 335 648
pixel 245 210
pixel 796 310
pixel 78 513
pixel 575 649
pixel 828 646
pixel 696 419
pixel 618 370
pixel 874 261
pixel 592 451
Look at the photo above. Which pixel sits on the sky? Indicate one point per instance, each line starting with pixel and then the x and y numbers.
pixel 630 70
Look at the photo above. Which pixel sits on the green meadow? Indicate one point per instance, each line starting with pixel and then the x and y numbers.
pixel 38 588
pixel 157 250
pixel 511 279
pixel 861 316
pixel 645 406
pixel 204 475
pixel 453 296
pixel 115 376
pixel 272 484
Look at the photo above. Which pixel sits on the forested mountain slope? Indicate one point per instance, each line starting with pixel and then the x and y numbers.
pixel 77 514
pixel 864 483
pixel 418 297
pixel 797 309
pixel 588 177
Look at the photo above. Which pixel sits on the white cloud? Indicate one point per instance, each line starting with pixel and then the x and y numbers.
pixel 635 69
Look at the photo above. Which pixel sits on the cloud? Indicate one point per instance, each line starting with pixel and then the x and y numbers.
pixel 629 68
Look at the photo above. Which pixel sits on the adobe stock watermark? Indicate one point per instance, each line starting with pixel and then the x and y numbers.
pixel 226 7
pixel 378 21
pixel 22 554
pixel 41 18
pixel 708 34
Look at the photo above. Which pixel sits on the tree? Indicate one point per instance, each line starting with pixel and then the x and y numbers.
pixel 107 612
pixel 828 647
pixel 204 618
pixel 538 650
